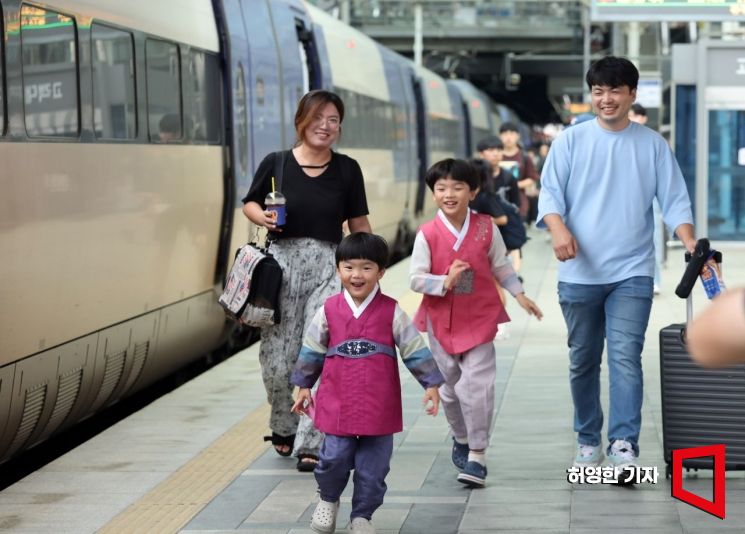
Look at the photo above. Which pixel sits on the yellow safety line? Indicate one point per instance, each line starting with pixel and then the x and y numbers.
pixel 175 501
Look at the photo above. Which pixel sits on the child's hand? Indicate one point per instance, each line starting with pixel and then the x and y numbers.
pixel 529 306
pixel 456 269
pixel 303 398
pixel 431 400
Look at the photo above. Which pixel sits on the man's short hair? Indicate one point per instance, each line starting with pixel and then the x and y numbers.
pixel 638 109
pixel 363 246
pixel 508 127
pixel 489 142
pixel 614 72
pixel 455 169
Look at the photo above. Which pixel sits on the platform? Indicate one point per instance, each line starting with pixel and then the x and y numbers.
pixel 194 461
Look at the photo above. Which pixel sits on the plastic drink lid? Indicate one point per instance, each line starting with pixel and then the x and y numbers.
pixel 275 197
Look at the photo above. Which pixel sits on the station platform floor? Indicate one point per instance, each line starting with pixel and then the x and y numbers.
pixel 194 461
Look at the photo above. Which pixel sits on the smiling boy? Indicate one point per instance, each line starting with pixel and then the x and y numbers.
pixel 352 341
pixel 456 259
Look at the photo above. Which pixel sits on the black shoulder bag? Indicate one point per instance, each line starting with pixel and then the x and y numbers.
pixel 251 293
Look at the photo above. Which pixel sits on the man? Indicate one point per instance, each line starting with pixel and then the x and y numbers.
pixel 638 113
pixel 523 168
pixel 598 185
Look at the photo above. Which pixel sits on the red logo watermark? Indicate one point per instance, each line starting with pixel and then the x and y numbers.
pixel 715 507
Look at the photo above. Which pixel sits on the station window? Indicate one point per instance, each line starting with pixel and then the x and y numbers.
pixel 163 91
pixel 114 100
pixel 203 114
pixel 50 80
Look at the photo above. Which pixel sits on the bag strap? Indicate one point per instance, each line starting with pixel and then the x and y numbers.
pixel 279 167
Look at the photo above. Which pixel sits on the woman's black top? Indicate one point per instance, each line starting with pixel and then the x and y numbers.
pixel 316 206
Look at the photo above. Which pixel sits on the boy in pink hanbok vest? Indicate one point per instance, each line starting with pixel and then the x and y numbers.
pixel 457 260
pixel 351 344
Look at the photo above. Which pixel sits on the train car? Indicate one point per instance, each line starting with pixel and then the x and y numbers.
pixel 109 227
pixel 130 132
pixel 479 121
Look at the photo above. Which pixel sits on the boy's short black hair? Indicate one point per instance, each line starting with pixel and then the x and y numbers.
pixel 456 169
pixel 483 170
pixel 508 127
pixel 638 109
pixel 614 72
pixel 363 246
pixel 491 141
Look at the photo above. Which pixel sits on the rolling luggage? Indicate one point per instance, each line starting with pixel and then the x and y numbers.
pixel 699 406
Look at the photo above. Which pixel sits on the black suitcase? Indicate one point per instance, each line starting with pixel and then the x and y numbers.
pixel 699 406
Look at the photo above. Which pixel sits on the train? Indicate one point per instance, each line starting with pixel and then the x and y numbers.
pixel 130 132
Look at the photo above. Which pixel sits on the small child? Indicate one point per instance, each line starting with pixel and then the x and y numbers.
pixel 457 257
pixel 358 404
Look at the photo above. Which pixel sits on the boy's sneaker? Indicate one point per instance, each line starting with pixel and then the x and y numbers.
pixel 360 525
pixel 623 458
pixel 473 475
pixel 324 517
pixel 588 456
pixel 460 454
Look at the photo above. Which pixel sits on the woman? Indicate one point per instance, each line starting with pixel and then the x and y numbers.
pixel 323 190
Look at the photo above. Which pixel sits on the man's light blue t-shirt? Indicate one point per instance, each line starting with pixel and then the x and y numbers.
pixel 602 184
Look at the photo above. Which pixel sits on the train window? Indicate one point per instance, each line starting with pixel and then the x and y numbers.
pixel 203 109
pixel 50 79
pixel 114 100
pixel 163 91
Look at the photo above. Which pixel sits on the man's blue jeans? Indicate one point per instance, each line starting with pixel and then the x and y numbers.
pixel 618 312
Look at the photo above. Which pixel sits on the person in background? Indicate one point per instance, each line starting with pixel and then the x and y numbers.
pixel 597 189
pixel 638 114
pixel 716 338
pixel 323 189
pixel 458 256
pixel 352 340
pixel 522 167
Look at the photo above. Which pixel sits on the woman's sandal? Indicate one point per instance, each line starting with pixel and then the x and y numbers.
pixel 306 462
pixel 281 441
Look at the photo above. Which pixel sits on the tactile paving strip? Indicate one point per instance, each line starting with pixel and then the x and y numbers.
pixel 175 501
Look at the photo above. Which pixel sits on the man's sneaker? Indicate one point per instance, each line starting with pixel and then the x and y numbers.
pixel 360 525
pixel 588 456
pixel 623 458
pixel 473 475
pixel 460 454
pixel 324 517
pixel 622 454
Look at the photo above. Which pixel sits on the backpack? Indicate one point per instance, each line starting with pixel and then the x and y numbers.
pixel 513 233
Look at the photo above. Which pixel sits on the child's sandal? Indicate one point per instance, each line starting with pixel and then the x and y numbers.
pixel 281 441
pixel 306 462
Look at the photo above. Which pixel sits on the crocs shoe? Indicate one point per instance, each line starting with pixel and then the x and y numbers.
pixel 360 525
pixel 324 517
pixel 588 456
pixel 473 475
pixel 460 454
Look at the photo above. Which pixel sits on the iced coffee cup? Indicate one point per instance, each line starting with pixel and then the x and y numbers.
pixel 275 201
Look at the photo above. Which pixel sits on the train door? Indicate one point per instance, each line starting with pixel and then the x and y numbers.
pixel 421 142
pixel 300 69
pixel 468 133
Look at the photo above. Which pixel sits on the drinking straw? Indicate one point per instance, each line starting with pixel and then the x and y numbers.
pixel 273 184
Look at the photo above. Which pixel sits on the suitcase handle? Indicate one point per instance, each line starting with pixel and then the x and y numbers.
pixel 696 262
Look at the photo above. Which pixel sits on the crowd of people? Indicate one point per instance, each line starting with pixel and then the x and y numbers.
pixel 594 191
